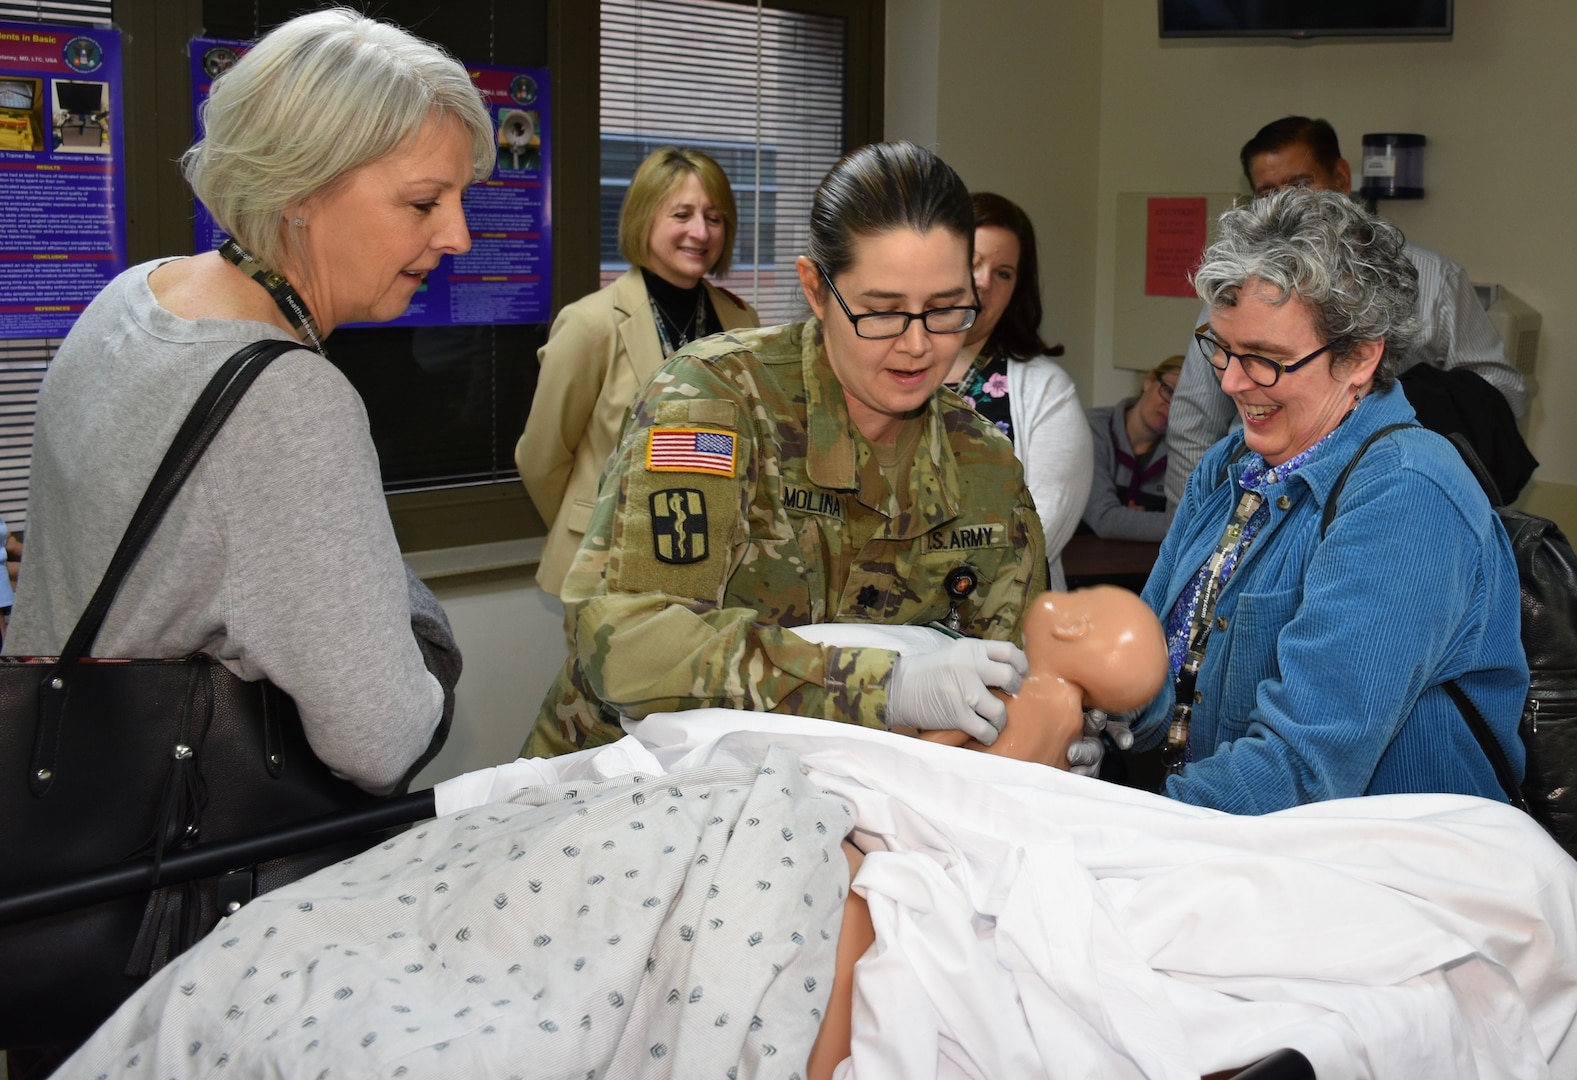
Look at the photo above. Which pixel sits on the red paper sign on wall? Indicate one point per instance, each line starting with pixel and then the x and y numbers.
pixel 1174 241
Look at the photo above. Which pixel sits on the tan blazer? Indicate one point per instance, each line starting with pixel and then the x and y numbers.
pixel 599 353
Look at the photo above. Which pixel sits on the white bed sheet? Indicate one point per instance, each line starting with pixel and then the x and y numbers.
pixel 1034 923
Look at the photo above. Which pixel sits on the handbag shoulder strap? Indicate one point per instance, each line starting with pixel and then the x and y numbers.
pixel 1341 481
pixel 1489 744
pixel 209 413
pixel 1232 459
pixel 1476 466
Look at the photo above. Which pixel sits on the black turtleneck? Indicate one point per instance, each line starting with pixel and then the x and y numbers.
pixel 679 305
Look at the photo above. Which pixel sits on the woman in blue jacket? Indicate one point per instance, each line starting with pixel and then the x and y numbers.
pixel 1310 663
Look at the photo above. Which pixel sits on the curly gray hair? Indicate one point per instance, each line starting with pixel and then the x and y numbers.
pixel 1324 249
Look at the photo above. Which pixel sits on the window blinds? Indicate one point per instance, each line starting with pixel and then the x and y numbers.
pixel 64 12
pixel 760 89
pixel 23 362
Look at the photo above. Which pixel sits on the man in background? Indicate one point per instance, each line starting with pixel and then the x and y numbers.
pixel 1456 333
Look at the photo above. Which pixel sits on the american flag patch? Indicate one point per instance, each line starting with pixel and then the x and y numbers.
pixel 690 450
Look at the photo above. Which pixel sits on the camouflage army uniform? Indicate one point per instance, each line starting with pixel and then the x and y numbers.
pixel 730 511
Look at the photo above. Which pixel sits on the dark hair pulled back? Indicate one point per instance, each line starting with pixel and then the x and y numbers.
pixel 882 187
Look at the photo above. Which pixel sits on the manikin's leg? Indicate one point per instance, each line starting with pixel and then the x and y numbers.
pixel 857 935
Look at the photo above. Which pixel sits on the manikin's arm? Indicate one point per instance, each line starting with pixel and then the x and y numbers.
pixel 1096 648
pixel 1045 717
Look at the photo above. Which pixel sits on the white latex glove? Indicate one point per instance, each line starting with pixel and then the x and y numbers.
pixel 1084 756
pixel 1097 721
pixel 950 688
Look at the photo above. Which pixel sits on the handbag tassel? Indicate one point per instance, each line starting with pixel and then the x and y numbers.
pixel 173 919
pixel 171 923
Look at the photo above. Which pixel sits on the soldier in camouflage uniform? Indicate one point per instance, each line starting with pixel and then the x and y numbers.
pixel 746 498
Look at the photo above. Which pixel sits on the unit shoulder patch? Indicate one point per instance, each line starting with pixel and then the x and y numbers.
pixel 678 526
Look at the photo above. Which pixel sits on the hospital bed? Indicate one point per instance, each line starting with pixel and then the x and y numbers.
pixel 1365 948
pixel 1029 922
pixel 207 860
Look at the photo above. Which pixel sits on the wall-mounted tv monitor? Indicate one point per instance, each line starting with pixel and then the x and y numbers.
pixel 1304 18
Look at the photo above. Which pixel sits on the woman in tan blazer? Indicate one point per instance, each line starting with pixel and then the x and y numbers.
pixel 677 225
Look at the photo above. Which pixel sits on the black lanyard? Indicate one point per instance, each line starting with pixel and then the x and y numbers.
pixel 275 284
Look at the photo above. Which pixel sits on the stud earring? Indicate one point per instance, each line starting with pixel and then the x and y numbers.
pixel 298 223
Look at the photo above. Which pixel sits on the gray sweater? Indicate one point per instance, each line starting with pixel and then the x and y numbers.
pixel 1105 512
pixel 277 557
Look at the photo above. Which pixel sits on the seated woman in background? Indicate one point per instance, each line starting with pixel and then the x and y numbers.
pixel 335 155
pixel 1005 371
pixel 1312 662
pixel 677 225
pixel 812 473
pixel 1128 495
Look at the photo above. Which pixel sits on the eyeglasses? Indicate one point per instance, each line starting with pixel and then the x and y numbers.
pixel 890 324
pixel 1261 370
pixel 1166 390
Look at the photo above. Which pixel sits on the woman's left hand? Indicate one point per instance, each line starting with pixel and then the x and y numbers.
pixel 1084 756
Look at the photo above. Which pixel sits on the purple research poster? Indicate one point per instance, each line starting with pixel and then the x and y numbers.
pixel 62 181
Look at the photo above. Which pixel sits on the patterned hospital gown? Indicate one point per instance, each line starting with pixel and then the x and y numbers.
pixel 676 927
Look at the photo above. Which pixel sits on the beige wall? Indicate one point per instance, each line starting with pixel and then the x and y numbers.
pixel 1061 104
pixel 1495 168
pixel 1012 98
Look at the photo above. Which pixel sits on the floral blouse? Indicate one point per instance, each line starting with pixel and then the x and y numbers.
pixel 985 387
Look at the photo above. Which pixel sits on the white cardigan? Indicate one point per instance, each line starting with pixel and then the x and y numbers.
pixel 1052 440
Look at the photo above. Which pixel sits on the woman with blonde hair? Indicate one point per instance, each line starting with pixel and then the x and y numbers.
pixel 677 226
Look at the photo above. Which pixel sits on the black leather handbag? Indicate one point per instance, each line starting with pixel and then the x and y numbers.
pixel 104 761
pixel 1547 567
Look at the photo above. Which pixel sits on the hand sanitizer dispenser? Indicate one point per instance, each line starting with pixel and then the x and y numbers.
pixel 1393 167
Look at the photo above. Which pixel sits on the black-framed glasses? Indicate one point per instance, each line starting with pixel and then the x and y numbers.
pixel 1261 370
pixel 1165 389
pixel 877 325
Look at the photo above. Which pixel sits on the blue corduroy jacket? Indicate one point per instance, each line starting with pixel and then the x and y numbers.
pixel 1323 674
